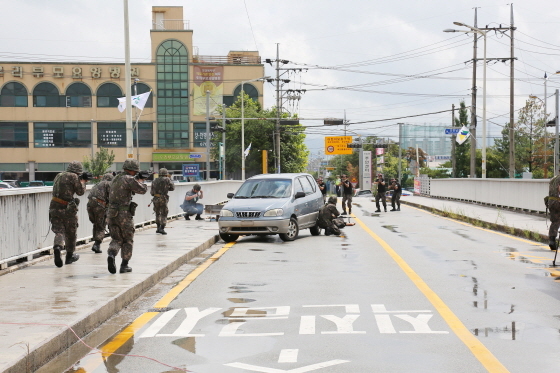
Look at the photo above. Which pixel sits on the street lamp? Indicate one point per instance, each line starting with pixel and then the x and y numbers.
pixel 243 124
pixel 483 33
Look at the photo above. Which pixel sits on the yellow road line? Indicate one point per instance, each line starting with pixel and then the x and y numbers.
pixel 488 360
pixel 120 339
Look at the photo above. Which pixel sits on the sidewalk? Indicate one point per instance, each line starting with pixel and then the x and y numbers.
pixel 83 295
pixel 516 223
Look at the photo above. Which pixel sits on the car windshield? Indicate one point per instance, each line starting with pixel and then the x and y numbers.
pixel 265 188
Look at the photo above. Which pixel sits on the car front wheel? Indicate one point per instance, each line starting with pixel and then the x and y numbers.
pixel 229 237
pixel 293 230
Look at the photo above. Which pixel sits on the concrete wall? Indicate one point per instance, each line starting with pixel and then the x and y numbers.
pixel 25 230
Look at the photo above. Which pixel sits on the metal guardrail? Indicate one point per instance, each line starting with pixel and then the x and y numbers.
pixel 25 229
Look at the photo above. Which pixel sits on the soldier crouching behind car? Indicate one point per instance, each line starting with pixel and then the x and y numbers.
pixel 328 218
pixel 63 211
pixel 97 210
pixel 120 213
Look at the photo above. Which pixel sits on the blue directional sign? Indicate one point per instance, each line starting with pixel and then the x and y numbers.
pixel 452 131
pixel 195 155
pixel 190 170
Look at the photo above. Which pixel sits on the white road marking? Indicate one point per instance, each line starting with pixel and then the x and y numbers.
pixel 288 356
pixel 349 308
pixel 420 324
pixel 343 324
pixel 307 325
pixel 193 317
pixel 282 312
pixel 230 330
pixel 161 321
pixel 308 368
pixel 380 308
pixel 384 324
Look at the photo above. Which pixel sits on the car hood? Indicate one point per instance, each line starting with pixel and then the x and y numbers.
pixel 255 204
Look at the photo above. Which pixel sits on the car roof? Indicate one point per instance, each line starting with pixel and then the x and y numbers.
pixel 278 176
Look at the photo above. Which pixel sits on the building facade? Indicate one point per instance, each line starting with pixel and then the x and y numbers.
pixel 52 113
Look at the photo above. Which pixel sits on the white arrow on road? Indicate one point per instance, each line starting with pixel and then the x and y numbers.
pixel 308 368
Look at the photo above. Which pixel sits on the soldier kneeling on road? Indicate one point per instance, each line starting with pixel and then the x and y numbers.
pixel 329 218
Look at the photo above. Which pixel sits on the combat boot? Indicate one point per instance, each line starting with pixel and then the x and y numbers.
pixel 71 258
pixel 124 267
pixel 111 264
pixel 198 217
pixel 157 230
pixel 96 247
pixel 551 244
pixel 187 217
pixel 57 258
pixel 161 229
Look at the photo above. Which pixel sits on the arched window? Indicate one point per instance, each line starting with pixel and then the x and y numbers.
pixel 13 94
pixel 143 88
pixel 249 89
pixel 78 95
pixel 46 95
pixel 108 94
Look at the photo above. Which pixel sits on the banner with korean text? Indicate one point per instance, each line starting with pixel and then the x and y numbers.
pixel 208 78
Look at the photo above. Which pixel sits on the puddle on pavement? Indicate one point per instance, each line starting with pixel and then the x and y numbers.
pixel 391 228
pixel 240 263
pixel 188 344
pixel 241 300
pixel 238 287
pixel 241 291
pixel 366 213
pixel 249 312
pixel 508 331
pixel 228 321
pixel 279 260
pixel 256 249
pixel 509 250
pixel 466 236
pixel 250 283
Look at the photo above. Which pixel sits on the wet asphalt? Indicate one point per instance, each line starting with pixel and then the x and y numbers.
pixel 347 304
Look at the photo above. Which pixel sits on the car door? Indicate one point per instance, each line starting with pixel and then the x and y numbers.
pixel 299 203
pixel 307 205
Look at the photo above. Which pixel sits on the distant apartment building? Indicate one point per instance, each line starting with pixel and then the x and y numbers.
pixel 54 112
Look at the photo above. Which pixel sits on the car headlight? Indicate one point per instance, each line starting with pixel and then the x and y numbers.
pixel 274 212
pixel 226 213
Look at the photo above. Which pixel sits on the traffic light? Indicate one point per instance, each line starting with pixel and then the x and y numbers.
pixel 215 127
pixel 354 145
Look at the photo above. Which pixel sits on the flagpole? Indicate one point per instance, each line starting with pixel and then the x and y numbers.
pixel 129 136
pixel 137 117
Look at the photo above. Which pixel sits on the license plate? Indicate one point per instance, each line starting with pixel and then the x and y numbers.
pixel 247 223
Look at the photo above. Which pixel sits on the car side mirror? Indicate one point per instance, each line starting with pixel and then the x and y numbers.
pixel 300 195
pixel 230 195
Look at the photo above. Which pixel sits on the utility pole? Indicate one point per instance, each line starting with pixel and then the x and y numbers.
pixel 129 143
pixel 557 100
pixel 511 104
pixel 453 136
pixel 473 104
pixel 400 152
pixel 278 110
pixel 224 142
pixel 207 135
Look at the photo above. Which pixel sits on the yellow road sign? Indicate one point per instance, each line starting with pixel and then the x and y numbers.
pixel 329 168
pixel 337 145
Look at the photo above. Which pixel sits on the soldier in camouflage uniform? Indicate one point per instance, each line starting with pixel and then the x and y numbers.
pixel 97 210
pixel 160 187
pixel 553 204
pixel 328 218
pixel 63 211
pixel 120 214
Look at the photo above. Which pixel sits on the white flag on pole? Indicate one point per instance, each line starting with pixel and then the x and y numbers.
pixel 139 101
pixel 463 135
pixel 248 149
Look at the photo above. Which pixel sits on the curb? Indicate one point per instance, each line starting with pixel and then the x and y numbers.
pixel 517 232
pixel 64 339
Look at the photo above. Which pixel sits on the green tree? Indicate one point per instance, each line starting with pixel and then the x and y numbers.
pixel 462 152
pixel 531 125
pixel 259 133
pixel 100 163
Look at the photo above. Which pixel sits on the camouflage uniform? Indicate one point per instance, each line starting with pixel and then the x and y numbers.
pixel 97 209
pixel 553 204
pixel 63 211
pixel 160 187
pixel 119 217
pixel 328 218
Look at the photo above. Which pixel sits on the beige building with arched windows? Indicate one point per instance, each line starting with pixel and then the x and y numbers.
pixel 53 113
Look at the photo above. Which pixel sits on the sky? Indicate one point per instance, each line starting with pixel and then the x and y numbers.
pixel 367 61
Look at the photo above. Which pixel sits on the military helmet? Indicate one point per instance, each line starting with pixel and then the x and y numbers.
pixel 163 171
pixel 131 165
pixel 108 176
pixel 333 200
pixel 75 167
pixel 197 187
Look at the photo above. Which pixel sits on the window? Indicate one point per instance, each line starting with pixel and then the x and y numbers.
pixel 46 95
pixel 13 95
pixel 313 183
pixel 249 89
pixel 307 188
pixel 78 95
pixel 172 95
pixel 113 135
pixel 297 186
pixel 14 135
pixel 108 94
pixel 143 88
pixel 62 135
